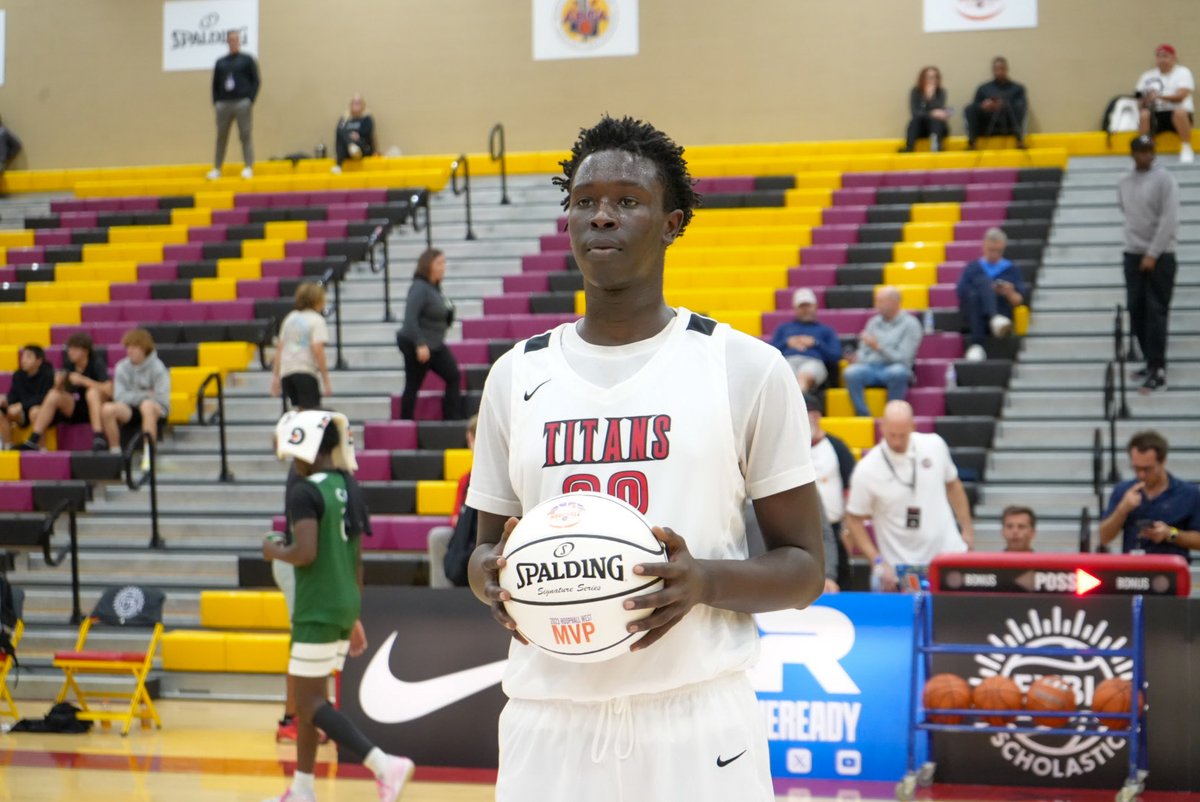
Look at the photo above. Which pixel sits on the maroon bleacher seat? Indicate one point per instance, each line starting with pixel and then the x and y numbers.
pixel 835 235
pixel 252 200
pixel 283 268
pixel 306 249
pixel 327 229
pixel 824 254
pixel 187 252
pixel 554 242
pixel 989 193
pixel 844 215
pixel 231 217
pixel 45 465
pixel 130 291
pixel 941 345
pixel 346 211
pixel 394 435
pixel 80 219
pixel 942 296
pixel 928 401
pixel 812 276
pixel 402 532
pixel 52 236
pixel 931 372
pixel 508 304
pixel 544 262
pixel 991 211
pixel 5 382
pixel 526 282
pixel 213 233
pixel 26 256
pixel 101 313
pixel 16 496
pixel 856 196
pixel 251 289
pixel 159 271
pixel 374 466
pixel 470 352
pixel 78 436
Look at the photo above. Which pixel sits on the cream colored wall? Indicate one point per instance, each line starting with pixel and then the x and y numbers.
pixel 84 84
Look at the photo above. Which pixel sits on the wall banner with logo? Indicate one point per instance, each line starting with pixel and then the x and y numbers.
pixel 195 31
pixel 584 28
pixel 942 16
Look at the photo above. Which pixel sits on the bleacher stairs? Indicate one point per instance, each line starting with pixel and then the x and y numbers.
pixel 1042 455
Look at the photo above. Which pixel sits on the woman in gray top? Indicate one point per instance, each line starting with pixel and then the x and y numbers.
pixel 422 338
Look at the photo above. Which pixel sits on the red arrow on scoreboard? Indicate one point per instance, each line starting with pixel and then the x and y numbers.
pixel 1085 582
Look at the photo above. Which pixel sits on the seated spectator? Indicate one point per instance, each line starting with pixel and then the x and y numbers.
pixel 355 134
pixel 909 487
pixel 80 390
pixel 989 289
pixel 929 115
pixel 1156 512
pixel 886 351
pixel 1019 528
pixel 1166 99
pixel 141 392
pixel 809 347
pixel 29 387
pixel 999 107
pixel 300 357
pixel 10 147
pixel 450 546
pixel 834 463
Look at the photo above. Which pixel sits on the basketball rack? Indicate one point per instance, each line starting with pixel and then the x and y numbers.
pixel 924 650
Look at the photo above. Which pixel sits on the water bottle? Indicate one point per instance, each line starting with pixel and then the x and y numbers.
pixel 877 575
pixel 321 150
pixel 927 318
pixel 951 376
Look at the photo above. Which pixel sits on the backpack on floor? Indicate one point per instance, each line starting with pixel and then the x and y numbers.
pixel 1123 114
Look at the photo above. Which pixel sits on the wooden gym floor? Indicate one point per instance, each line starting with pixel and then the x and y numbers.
pixel 226 752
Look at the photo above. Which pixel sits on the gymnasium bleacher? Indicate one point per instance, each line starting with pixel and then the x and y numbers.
pixel 210 267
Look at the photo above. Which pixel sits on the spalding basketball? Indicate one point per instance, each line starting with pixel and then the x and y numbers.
pixel 1051 693
pixel 997 693
pixel 1112 696
pixel 569 568
pixel 947 691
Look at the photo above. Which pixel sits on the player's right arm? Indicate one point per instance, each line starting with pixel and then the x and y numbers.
pixel 483 571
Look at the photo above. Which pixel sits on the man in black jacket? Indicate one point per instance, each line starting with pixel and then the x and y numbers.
pixel 29 387
pixel 999 107
pixel 234 89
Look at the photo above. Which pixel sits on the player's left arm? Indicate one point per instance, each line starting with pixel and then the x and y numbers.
pixel 956 494
pixel 303 548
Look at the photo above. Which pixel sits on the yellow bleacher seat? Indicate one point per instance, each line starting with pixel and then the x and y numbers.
pixel 919 252
pixel 9 359
pixel 193 650
pixel 756 299
pixel 936 213
pixel 182 408
pixel 10 465
pixel 214 289
pixel 436 497
pixel 239 268
pixel 837 402
pixel 288 231
pixel 275 613
pixel 20 334
pixel 808 197
pixel 910 273
pixel 257 652
pixel 192 218
pixel 264 249
pixel 913 296
pixel 174 235
pixel 231 609
pixel 929 232
pixel 747 321
pixel 17 239
pixel 225 356
pixel 214 200
pixel 187 380
pixel 855 432
pixel 1021 320
pixel 456 462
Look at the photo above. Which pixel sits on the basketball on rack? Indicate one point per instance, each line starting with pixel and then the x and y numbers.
pixel 947 692
pixel 1113 696
pixel 997 693
pixel 569 568
pixel 1051 693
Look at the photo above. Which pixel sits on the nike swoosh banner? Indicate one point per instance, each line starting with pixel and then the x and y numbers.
pixel 428 685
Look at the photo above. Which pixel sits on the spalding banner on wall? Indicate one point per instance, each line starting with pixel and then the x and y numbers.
pixel 195 31
pixel 979 15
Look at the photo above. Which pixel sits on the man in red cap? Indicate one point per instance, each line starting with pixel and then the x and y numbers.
pixel 1166 96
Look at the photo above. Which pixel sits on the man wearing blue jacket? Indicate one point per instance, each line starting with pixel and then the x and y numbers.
pixel 990 288
pixel 809 347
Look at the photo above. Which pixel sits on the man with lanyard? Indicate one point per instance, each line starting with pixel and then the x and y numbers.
pixel 909 488
pixel 1156 512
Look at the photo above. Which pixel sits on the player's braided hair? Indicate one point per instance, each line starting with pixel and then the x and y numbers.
pixel 642 139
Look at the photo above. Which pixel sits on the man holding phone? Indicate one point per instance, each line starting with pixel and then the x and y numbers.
pixel 1155 512
pixel 990 288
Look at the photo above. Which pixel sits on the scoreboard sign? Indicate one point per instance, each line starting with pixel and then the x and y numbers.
pixel 1061 574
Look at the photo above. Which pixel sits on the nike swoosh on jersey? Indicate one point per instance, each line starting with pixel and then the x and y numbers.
pixel 529 393
pixel 723 763
pixel 386 698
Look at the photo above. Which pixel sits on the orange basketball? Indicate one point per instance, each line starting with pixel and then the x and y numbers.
pixel 1112 696
pixel 944 691
pixel 1051 693
pixel 997 693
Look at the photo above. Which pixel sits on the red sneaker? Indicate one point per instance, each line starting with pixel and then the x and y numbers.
pixel 285 733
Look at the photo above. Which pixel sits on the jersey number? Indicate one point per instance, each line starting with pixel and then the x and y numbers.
pixel 629 486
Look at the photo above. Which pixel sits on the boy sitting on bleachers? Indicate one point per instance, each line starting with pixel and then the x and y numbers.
pixel 29 387
pixel 141 391
pixel 80 390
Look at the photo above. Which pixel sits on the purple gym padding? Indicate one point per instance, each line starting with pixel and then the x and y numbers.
pixel 16 497
pixel 390 435
pixel 45 465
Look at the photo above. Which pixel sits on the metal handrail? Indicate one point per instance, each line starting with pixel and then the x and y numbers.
pixel 266 338
pixel 465 165
pixel 1119 354
pixel 151 477
pixel 1098 469
pixel 418 202
pixel 218 417
pixel 1110 414
pixel 334 277
pixel 72 547
pixel 1085 530
pixel 379 237
pixel 500 154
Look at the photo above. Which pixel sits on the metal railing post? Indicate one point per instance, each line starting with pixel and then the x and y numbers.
pixel 219 417
pixel 380 237
pixel 500 154
pixel 464 163
pixel 422 202
pixel 151 476
pixel 1118 341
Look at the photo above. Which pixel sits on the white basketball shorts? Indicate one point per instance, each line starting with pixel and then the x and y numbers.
pixel 702 743
pixel 284 575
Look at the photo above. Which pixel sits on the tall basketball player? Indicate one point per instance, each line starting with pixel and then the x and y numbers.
pixel 704 416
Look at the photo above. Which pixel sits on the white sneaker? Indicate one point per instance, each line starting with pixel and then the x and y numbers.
pixel 1000 326
pixel 976 354
pixel 1186 154
pixel 247 172
pixel 213 174
pixel 335 170
pixel 399 771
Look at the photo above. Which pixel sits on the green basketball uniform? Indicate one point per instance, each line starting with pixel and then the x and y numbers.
pixel 327 588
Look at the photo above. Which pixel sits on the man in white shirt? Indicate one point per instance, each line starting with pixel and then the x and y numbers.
pixel 1166 97
pixel 908 486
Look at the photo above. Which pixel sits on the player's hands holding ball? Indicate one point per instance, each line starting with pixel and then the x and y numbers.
pixel 685 583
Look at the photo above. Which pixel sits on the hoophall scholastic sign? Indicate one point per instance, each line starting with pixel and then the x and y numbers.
pixel 195 31
pixel 979 15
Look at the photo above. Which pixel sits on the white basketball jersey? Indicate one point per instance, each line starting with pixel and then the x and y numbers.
pixel 663 440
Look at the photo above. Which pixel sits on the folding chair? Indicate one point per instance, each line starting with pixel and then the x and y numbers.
pixel 7 706
pixel 126 607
